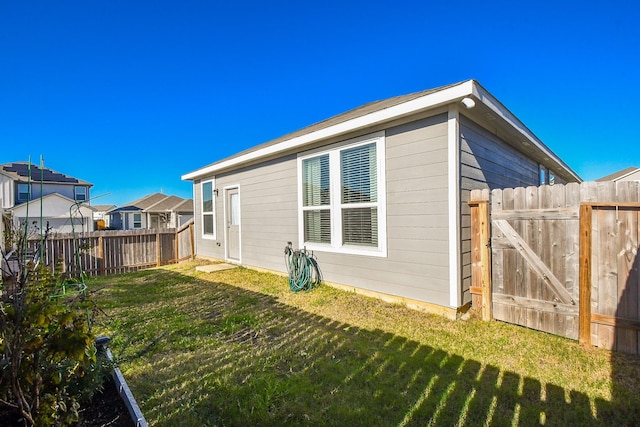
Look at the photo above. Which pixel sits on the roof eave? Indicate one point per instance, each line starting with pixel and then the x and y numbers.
pixel 417 105
pixel 499 109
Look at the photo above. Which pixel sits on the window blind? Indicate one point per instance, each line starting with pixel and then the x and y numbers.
pixel 317 226
pixel 315 180
pixel 360 226
pixel 359 174
pixel 316 192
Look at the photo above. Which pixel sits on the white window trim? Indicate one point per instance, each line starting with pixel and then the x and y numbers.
pixel 336 245
pixel 213 207
pixel 133 220
pixel 75 193
pixel 28 193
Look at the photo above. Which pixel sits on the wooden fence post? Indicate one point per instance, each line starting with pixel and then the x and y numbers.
pixel 158 249
pixel 193 243
pixel 585 275
pixel 481 257
pixel 176 249
pixel 101 266
pixel 485 260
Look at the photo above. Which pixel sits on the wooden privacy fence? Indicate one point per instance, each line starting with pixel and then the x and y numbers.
pixel 117 251
pixel 562 259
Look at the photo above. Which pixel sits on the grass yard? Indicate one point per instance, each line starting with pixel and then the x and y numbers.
pixel 237 348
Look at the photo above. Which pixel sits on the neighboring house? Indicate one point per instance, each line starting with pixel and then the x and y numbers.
pixel 628 174
pixel 101 219
pixel 59 200
pixel 378 194
pixel 59 213
pixel 153 211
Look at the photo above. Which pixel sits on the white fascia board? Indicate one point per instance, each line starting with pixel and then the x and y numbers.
pixel 487 99
pixel 410 107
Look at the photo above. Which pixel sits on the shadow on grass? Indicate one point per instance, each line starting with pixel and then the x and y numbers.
pixel 230 356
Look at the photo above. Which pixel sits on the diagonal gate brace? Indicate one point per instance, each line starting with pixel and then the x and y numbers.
pixel 534 261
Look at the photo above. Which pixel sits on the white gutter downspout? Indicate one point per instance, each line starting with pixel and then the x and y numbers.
pixel 453 172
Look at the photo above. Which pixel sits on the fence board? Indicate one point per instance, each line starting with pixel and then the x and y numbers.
pixel 606 278
pixel 571 257
pixel 498 263
pixel 533 316
pixel 627 338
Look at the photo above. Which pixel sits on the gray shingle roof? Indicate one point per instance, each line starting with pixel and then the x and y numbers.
pixel 157 202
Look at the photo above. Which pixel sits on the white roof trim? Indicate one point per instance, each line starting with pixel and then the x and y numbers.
pixel 422 103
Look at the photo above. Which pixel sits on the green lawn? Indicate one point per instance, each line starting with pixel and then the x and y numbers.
pixel 237 347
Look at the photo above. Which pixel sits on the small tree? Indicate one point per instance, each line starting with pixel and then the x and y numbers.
pixel 45 340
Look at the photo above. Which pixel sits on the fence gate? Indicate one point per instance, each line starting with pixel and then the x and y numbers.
pixel 535 258
pixel 563 259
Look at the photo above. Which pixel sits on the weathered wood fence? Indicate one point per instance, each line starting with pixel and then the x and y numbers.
pixel 562 259
pixel 116 251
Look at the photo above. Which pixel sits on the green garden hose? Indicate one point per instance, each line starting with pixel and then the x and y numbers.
pixel 304 273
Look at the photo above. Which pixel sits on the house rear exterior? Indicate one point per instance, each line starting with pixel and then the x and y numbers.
pixel 36 192
pixel 379 194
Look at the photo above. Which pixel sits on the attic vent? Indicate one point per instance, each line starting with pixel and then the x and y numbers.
pixel 489 116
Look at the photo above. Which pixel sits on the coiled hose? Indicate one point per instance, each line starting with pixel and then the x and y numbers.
pixel 304 273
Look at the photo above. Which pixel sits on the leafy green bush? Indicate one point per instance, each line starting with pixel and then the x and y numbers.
pixel 46 344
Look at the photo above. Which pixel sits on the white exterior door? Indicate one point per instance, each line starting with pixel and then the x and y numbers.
pixel 232 216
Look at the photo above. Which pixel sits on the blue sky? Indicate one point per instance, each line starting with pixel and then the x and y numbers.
pixel 130 95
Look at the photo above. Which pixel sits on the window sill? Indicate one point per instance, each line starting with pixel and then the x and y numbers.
pixel 347 250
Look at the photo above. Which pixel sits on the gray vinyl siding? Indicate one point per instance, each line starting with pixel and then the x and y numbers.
pixel 268 213
pixel 67 190
pixel 486 161
pixel 417 265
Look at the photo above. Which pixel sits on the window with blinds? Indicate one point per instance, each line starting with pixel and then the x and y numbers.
pixel 208 212
pixel 340 203
pixel 359 194
pixel 316 199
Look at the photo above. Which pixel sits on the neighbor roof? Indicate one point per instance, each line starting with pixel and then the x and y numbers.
pixel 620 174
pixel 23 172
pixel 185 206
pixel 156 202
pixel 380 112
pixel 167 204
pixel 103 208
